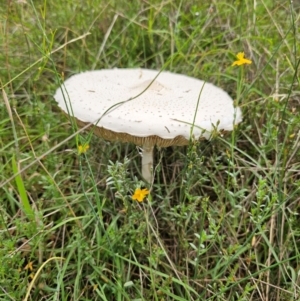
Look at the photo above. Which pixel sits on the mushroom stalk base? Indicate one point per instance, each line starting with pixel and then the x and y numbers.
pixel 147 163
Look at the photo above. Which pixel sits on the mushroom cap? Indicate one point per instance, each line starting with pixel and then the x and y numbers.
pixel 129 105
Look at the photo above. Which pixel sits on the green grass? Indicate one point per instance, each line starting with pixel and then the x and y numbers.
pixel 222 221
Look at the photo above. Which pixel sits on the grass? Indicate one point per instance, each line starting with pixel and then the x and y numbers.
pixel 222 221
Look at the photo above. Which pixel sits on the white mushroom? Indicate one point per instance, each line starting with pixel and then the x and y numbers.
pixel 147 108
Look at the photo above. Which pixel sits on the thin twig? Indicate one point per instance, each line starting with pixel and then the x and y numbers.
pixel 107 34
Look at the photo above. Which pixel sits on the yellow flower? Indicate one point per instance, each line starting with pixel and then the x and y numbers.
pixel 140 194
pixel 241 60
pixel 83 148
pixel 29 266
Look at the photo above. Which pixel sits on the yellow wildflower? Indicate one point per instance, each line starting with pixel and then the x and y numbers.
pixel 83 148
pixel 29 266
pixel 140 194
pixel 241 60
pixel 292 136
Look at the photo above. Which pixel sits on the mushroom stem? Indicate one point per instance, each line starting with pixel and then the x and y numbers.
pixel 147 163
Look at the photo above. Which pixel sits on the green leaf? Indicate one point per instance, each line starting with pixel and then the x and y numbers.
pixel 25 205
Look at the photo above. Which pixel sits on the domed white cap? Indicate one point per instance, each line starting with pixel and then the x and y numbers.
pixel 124 107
